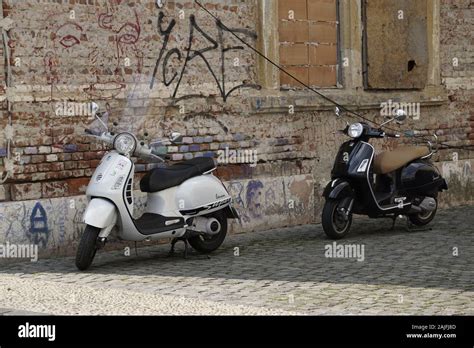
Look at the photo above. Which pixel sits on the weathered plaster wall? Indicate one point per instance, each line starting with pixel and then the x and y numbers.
pixel 55 224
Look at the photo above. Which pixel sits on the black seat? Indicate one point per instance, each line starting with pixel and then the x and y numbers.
pixel 162 178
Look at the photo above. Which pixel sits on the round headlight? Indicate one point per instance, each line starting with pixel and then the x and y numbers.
pixel 355 130
pixel 125 143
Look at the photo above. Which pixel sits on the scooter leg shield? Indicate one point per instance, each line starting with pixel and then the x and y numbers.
pixel 100 213
pixel 341 190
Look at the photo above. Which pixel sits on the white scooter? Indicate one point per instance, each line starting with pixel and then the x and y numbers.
pixel 184 201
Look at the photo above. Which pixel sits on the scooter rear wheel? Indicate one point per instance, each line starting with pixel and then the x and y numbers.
pixel 335 224
pixel 204 244
pixel 87 247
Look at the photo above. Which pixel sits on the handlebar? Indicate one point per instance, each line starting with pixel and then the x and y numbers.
pixel 140 151
pixel 392 135
pixel 106 137
pixel 372 132
pixel 433 146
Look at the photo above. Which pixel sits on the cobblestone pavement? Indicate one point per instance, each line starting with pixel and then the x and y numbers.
pixel 283 271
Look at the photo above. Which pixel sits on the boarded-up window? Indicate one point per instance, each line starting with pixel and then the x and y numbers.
pixel 308 42
pixel 395 44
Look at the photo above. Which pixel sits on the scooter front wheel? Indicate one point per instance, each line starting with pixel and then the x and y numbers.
pixel 87 247
pixel 207 244
pixel 336 224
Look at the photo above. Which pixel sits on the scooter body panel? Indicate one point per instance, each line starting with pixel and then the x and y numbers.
pixel 113 182
pixel 100 213
pixel 338 189
pixel 340 168
pixel 352 160
pixel 421 177
pixel 201 195
pixel 110 178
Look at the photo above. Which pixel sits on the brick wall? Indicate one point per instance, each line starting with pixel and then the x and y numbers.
pixel 79 51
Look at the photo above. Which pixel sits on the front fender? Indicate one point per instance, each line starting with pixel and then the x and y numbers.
pixel 100 213
pixel 338 189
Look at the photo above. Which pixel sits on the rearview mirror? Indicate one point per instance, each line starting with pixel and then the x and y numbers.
pixel 400 115
pixel 94 108
pixel 101 120
pixel 176 138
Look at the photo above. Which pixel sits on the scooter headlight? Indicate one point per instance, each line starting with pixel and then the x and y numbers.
pixel 125 143
pixel 355 130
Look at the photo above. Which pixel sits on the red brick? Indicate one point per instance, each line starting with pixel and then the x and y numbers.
pixel 94 163
pixel 294 54
pixel 322 76
pixel 77 186
pixel 322 10
pixel 291 31
pixel 90 155
pixel 323 55
pixel 21 192
pixel 301 73
pixel 322 32
pixel 298 7
pixel 83 164
pixel 54 189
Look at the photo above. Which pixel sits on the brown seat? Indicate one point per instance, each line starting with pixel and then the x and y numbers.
pixel 389 161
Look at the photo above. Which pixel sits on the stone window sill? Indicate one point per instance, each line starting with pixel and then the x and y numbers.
pixel 274 101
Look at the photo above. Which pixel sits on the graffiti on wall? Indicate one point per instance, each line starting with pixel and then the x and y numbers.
pixel 49 224
pixel 213 44
pixel 111 44
pixel 256 199
pixel 39 232
pixel 14 220
pixel 111 48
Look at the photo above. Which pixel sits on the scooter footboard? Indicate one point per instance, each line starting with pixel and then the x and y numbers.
pixel 100 213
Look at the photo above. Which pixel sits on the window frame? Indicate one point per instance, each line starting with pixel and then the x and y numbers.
pixel 337 66
pixel 351 91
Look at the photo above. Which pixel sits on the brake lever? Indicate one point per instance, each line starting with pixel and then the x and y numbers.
pixel 158 158
pixel 436 140
pixel 152 155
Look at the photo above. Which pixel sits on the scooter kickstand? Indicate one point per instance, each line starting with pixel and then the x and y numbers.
pixel 185 255
pixel 173 243
pixel 394 221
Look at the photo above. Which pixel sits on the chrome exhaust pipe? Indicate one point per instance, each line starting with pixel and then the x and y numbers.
pixel 210 226
pixel 426 206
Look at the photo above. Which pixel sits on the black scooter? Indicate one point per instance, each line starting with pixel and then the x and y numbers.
pixel 406 182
